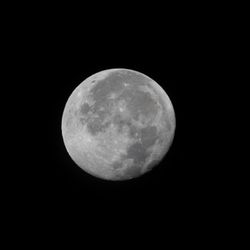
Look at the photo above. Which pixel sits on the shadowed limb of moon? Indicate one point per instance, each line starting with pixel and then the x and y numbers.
pixel 100 154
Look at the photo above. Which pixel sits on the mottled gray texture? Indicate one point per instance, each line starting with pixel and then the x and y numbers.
pixel 138 102
pixel 141 104
pixel 131 172
pixel 85 108
pixel 140 107
pixel 148 136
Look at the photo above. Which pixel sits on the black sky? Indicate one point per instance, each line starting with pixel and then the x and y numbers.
pixel 54 59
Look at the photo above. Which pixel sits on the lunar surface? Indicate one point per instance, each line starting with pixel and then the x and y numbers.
pixel 118 124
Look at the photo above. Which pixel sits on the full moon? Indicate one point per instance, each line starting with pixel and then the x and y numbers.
pixel 118 124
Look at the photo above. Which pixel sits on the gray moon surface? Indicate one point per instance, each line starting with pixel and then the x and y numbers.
pixel 118 124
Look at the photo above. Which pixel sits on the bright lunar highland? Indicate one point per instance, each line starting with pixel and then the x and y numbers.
pixel 118 124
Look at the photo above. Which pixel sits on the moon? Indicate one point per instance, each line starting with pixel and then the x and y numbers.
pixel 118 124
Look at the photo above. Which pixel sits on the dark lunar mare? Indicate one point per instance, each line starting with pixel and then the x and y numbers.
pixel 138 151
pixel 84 109
pixel 138 102
pixel 131 172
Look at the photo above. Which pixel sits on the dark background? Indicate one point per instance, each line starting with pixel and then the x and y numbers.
pixel 180 181
pixel 53 56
